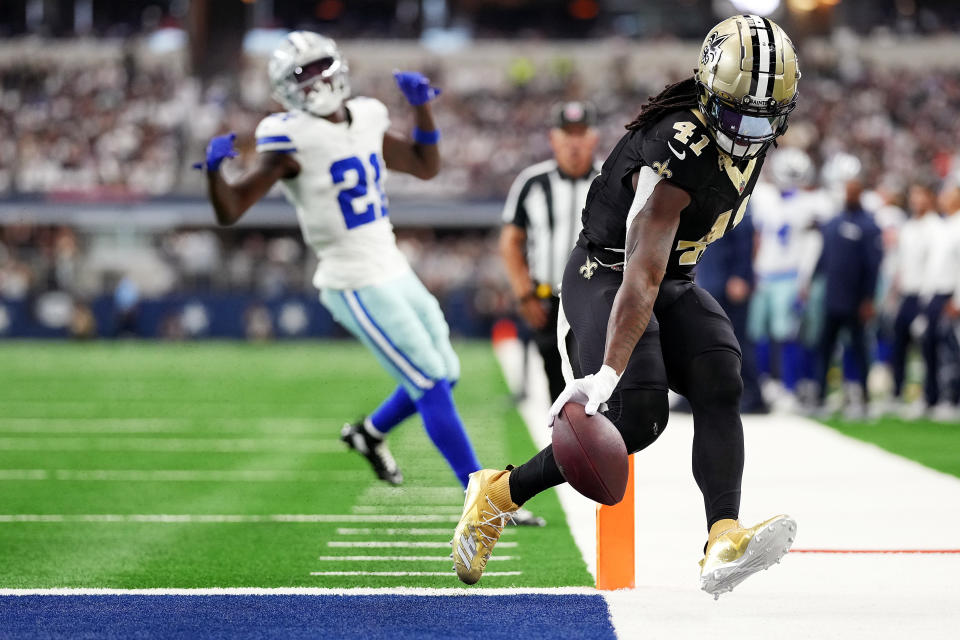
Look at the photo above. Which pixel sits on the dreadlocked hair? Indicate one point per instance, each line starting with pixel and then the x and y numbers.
pixel 674 97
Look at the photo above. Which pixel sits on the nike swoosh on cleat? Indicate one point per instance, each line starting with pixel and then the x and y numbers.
pixel 680 156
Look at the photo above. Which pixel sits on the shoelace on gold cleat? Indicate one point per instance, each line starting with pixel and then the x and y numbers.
pixel 488 541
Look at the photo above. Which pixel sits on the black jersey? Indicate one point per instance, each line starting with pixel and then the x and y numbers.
pixel 677 148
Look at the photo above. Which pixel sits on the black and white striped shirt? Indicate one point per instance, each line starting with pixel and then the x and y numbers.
pixel 547 205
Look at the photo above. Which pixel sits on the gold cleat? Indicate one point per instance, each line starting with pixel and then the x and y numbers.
pixel 734 553
pixel 486 511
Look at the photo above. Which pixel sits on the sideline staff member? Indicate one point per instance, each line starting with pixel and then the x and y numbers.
pixel 541 224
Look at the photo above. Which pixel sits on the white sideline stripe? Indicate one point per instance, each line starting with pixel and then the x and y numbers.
pixel 402 544
pixel 308 591
pixel 179 475
pixel 398 558
pixel 224 518
pixel 400 574
pixel 399 361
pixel 195 445
pixel 402 531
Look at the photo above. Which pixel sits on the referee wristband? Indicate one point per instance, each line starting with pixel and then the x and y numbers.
pixel 426 137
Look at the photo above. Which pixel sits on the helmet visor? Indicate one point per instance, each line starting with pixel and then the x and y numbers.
pixel 745 129
pixel 321 68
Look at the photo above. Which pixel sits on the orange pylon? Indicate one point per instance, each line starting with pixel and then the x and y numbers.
pixel 615 541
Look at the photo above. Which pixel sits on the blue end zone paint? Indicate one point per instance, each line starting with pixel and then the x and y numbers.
pixel 526 616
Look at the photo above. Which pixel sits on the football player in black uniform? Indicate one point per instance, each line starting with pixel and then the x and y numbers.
pixel 678 180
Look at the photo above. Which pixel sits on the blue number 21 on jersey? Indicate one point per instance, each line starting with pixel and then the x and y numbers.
pixel 339 171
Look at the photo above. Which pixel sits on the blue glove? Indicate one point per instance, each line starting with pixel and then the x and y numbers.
pixel 415 87
pixel 219 149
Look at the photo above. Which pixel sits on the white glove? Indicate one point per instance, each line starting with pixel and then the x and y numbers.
pixel 592 392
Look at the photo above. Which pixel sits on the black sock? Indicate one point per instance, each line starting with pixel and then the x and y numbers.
pixel 537 474
pixel 714 396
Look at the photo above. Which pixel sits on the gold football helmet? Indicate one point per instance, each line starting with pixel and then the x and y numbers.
pixel 747 83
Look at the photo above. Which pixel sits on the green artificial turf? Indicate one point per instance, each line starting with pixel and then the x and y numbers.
pixel 936 445
pixel 238 429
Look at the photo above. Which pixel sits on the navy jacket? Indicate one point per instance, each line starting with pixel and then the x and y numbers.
pixel 850 261
pixel 731 255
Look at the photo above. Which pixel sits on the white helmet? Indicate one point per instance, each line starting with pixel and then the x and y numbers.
pixel 792 168
pixel 309 74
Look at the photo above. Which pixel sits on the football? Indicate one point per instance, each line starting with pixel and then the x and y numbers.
pixel 591 454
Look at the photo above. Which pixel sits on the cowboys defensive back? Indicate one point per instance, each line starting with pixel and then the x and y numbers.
pixel 678 180
pixel 331 154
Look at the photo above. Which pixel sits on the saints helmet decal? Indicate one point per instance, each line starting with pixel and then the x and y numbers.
pixel 747 83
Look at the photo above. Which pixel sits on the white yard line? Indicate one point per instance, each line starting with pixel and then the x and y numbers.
pixel 401 544
pixel 383 494
pixel 320 425
pixel 399 558
pixel 180 475
pixel 96 425
pixel 177 445
pixel 401 531
pixel 291 518
pixel 409 508
pixel 308 591
pixel 402 574
pixel 24 474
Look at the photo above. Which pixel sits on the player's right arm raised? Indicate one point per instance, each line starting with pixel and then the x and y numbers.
pixel 232 199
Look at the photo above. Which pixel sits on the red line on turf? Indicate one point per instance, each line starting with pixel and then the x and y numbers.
pixel 877 551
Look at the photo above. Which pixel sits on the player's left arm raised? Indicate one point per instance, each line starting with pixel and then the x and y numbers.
pixel 420 156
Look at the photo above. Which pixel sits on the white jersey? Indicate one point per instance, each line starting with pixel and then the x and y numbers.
pixel 890 218
pixel 338 194
pixel 943 258
pixel 784 223
pixel 916 237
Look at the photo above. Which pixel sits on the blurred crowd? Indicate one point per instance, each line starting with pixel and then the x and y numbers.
pixel 96 130
pixel 119 128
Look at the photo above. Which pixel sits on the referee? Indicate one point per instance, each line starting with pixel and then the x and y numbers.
pixel 541 224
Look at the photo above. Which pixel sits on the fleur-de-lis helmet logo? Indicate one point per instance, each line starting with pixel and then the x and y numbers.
pixel 711 49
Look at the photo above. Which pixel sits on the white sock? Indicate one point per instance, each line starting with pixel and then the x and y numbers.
pixel 372 430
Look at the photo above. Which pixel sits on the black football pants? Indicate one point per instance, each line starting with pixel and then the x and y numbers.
pixel 906 314
pixel 832 325
pixel 690 347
